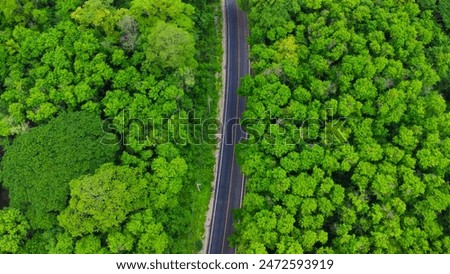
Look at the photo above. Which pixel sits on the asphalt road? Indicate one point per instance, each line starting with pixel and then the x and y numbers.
pixel 230 181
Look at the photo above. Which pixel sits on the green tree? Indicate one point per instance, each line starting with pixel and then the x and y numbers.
pixel 96 56
pixel 13 230
pixel 90 244
pixel 444 10
pixel 39 165
pixel 103 200
pixel 149 12
pixel 119 242
pixel 149 233
pixel 98 13
pixel 376 187
pixel 171 46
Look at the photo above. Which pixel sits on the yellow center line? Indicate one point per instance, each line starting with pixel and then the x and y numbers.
pixel 234 136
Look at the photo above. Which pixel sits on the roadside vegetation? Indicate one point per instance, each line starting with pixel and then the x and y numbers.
pixel 349 128
pixel 91 96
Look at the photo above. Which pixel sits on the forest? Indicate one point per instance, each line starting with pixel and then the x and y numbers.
pixel 349 127
pixel 85 168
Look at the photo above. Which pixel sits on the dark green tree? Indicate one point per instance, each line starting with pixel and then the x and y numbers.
pixel 39 165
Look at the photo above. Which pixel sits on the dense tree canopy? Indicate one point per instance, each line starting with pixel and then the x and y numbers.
pixel 39 165
pixel 13 230
pixel 141 67
pixel 349 153
pixel 103 200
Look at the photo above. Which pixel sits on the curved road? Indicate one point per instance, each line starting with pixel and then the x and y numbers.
pixel 230 181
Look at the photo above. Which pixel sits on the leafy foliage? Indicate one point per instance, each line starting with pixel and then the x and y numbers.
pixel 102 201
pixel 144 67
pixel 349 151
pixel 13 230
pixel 39 165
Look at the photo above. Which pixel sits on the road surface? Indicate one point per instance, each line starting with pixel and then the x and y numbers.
pixel 230 181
